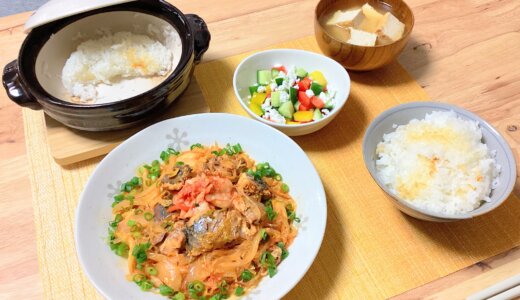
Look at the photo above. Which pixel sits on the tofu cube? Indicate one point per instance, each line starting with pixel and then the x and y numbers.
pixel 390 29
pixel 344 18
pixel 370 19
pixel 362 38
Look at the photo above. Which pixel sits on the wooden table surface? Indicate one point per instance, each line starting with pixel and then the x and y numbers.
pixel 463 52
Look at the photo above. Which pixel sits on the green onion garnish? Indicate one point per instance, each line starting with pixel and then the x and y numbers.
pixel 151 270
pixel 165 290
pixel 148 216
pixel 285 253
pixel 263 234
pixel 271 214
pixel 246 275
pixel 239 291
pixel 198 145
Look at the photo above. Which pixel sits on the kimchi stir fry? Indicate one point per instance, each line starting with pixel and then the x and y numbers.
pixel 207 223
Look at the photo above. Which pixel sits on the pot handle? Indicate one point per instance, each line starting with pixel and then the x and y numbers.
pixel 201 35
pixel 14 87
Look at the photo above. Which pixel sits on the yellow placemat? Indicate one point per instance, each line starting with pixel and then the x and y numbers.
pixel 370 250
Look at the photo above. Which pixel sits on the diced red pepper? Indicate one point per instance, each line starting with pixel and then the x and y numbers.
pixel 268 95
pixel 303 107
pixel 281 69
pixel 317 102
pixel 304 99
pixel 304 84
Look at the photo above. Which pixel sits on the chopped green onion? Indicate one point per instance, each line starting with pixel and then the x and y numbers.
pixel 151 270
pixel 138 211
pixel 264 170
pixel 271 214
pixel 136 234
pixel 239 291
pixel 285 187
pixel 218 296
pixel 164 156
pixel 165 290
pixel 223 287
pixel 118 218
pixel 131 223
pixel 139 252
pixel 271 270
pixel 237 148
pixel 263 234
pixel 246 275
pixel 267 259
pixel 122 249
pixel 145 285
pixel 291 215
pixel 119 197
pixel 148 216
pixel 285 253
pixel 196 286
pixel 138 277
pixel 179 163
pixel 198 145
pixel 134 181
pixel 179 296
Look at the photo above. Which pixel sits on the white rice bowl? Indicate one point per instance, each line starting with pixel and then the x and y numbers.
pixel 438 164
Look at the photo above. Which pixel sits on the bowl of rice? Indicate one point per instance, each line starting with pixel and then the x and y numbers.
pixel 439 162
pixel 105 64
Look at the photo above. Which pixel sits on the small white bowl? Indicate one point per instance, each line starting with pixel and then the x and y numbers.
pixel 403 114
pixel 336 75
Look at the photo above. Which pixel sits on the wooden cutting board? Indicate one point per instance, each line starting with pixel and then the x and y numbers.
pixel 69 145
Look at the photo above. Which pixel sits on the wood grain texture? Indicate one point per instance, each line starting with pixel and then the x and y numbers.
pixel 68 146
pixel 462 52
pixel 332 39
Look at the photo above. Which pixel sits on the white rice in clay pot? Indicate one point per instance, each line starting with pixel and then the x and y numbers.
pixel 438 163
pixel 109 61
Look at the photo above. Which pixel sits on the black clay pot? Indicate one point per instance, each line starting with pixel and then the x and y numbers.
pixel 28 83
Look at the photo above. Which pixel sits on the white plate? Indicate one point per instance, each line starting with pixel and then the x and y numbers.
pixel 263 143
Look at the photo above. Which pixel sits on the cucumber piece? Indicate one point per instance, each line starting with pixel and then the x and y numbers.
pixel 316 88
pixel 301 73
pixel 293 94
pixel 329 105
pixel 317 115
pixel 275 99
pixel 253 89
pixel 278 80
pixel 263 77
pixel 286 109
pixel 297 106
pixel 274 73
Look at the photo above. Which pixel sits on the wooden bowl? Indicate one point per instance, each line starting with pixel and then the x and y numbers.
pixel 362 58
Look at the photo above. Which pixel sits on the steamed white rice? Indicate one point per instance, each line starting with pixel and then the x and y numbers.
pixel 111 58
pixel 439 163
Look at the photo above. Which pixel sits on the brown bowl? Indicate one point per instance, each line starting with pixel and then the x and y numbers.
pixel 362 58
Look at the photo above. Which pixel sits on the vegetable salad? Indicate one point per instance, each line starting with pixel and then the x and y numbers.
pixel 292 96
